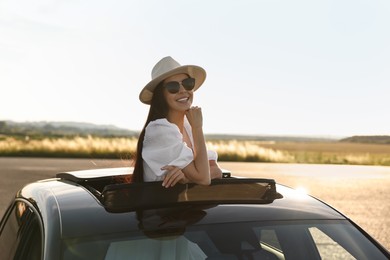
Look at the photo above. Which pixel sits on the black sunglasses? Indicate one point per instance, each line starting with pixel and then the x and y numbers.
pixel 174 86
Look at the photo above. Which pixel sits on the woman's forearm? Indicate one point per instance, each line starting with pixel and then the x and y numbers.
pixel 199 170
pixel 201 158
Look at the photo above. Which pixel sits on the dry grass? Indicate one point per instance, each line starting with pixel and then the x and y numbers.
pixel 231 150
pixel 248 151
pixel 329 147
pixel 69 147
pixel 334 152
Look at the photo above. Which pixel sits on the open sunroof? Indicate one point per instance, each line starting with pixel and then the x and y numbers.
pixel 117 196
pixel 135 196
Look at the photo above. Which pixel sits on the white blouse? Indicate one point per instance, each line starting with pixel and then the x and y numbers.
pixel 163 145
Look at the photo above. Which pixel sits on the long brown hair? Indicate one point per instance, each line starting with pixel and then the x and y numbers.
pixel 158 109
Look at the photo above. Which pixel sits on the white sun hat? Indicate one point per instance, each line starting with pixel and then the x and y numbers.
pixel 165 68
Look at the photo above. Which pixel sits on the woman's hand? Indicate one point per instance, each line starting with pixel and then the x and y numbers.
pixel 173 175
pixel 194 116
pixel 215 170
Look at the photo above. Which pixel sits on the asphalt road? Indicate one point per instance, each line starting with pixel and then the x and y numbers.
pixel 360 192
pixel 17 172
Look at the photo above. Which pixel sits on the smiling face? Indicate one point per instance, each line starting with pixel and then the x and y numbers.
pixel 182 100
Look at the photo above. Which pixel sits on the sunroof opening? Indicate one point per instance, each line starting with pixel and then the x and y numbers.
pixel 116 196
pixel 133 196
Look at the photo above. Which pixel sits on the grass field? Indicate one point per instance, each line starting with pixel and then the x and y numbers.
pixel 228 150
pixel 334 152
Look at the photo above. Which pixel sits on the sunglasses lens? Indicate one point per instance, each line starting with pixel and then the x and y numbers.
pixel 188 83
pixel 172 87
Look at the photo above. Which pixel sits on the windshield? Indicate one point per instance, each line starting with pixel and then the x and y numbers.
pixel 271 240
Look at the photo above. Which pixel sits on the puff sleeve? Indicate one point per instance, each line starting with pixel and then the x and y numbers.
pixel 163 145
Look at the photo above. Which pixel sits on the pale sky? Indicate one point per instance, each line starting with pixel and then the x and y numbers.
pixel 274 67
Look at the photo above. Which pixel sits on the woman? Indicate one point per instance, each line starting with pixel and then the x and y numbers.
pixel 171 147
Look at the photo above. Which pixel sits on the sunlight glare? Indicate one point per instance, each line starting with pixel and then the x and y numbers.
pixel 302 190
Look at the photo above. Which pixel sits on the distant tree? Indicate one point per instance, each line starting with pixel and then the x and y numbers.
pixel 374 139
pixel 3 127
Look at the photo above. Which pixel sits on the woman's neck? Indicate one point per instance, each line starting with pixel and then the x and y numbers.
pixel 177 119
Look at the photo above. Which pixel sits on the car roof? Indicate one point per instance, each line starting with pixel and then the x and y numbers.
pixel 78 202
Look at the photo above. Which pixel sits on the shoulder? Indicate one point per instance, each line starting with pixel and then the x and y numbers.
pixel 162 122
pixel 161 127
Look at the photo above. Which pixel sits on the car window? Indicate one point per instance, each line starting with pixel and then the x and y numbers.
pixel 163 248
pixel 327 247
pixel 21 236
pixel 249 240
pixel 269 241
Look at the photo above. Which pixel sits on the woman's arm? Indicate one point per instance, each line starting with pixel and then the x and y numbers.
pixel 197 171
pixel 175 174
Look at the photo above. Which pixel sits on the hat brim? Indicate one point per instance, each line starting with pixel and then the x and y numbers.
pixel 196 72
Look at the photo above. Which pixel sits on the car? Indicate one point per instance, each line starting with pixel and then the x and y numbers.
pixel 95 214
